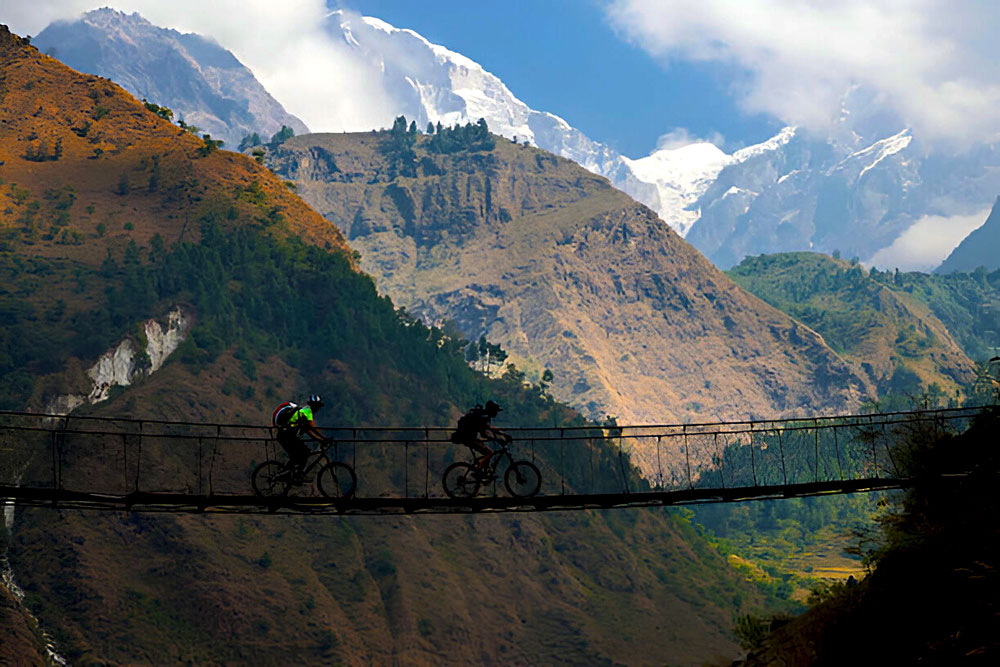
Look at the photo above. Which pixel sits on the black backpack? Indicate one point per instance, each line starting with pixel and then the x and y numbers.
pixel 469 424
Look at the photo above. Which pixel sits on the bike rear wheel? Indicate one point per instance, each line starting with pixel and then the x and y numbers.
pixel 522 479
pixel 337 480
pixel 271 479
pixel 460 481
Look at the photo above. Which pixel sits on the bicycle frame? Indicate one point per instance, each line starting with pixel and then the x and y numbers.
pixel 496 456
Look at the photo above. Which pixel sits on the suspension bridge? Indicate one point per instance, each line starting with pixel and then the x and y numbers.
pixel 101 463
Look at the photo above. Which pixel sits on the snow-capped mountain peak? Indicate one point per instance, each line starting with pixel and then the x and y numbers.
pixel 772 144
pixel 681 175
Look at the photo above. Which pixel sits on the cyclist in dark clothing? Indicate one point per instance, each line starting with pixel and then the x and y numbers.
pixel 475 428
pixel 299 424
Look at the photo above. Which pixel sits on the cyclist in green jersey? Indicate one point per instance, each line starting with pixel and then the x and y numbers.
pixel 299 424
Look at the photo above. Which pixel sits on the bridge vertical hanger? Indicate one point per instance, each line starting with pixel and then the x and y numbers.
pixel 591 449
pixel 871 424
pixel 211 466
pixel 562 466
pixel 621 462
pixel 201 472
pixel 55 460
pixel 753 461
pixel 427 462
pixel 659 467
pixel 781 449
pixel 892 461
pixel 720 459
pixel 836 448
pixel 138 464
pixel 816 446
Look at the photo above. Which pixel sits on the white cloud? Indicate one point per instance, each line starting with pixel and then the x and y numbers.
pixel 931 61
pixel 927 242
pixel 680 137
pixel 315 76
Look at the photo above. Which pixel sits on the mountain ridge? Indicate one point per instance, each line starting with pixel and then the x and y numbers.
pixel 978 248
pixel 201 81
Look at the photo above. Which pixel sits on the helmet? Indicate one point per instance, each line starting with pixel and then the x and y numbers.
pixel 315 402
pixel 492 408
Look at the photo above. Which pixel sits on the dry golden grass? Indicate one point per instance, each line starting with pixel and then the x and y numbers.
pixel 108 138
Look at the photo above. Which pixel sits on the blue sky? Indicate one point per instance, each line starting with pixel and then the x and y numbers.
pixel 563 56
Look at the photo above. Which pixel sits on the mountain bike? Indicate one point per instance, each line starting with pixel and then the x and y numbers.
pixel 335 479
pixel 522 479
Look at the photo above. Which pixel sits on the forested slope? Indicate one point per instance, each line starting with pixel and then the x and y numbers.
pixel 892 338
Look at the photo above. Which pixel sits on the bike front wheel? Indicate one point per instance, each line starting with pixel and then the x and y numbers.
pixel 271 479
pixel 337 480
pixel 460 481
pixel 522 479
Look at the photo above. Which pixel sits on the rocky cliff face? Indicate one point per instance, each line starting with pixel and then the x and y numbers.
pixel 130 359
pixel 199 80
pixel 567 273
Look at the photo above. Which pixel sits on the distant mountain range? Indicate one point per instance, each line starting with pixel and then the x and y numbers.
pixel 203 83
pixel 857 190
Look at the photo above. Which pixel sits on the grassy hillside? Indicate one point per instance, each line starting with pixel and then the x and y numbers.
pixel 566 273
pixel 159 218
pixel 967 303
pixel 896 339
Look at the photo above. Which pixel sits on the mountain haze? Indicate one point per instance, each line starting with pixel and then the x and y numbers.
pixel 566 273
pixel 200 80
